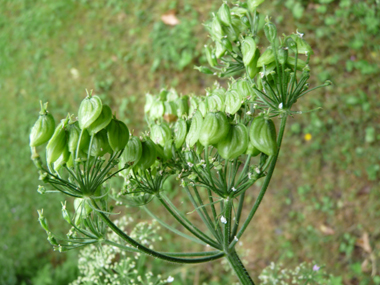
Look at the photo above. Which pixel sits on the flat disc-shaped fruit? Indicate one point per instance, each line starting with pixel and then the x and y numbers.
pixel 57 143
pixel 235 143
pixel 100 145
pixel 263 135
pixel 160 134
pixel 102 121
pixel 132 152
pixel 117 134
pixel 180 132
pixel 148 156
pixel 43 128
pixel 89 110
pixel 195 128
pixel 73 138
pixel 215 127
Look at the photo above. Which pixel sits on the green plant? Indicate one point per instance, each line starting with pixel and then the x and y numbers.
pixel 266 86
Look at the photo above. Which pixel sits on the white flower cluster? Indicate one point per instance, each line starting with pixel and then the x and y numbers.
pixel 304 273
pixel 110 265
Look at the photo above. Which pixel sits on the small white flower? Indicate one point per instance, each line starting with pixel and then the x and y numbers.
pixel 280 106
pixel 170 279
pixel 223 220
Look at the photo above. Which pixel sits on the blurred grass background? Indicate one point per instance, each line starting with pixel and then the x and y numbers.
pixel 324 201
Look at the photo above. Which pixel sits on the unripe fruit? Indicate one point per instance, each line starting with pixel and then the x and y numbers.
pixel 160 134
pixel 180 132
pixel 215 127
pixel 74 131
pixel 117 134
pixel 132 152
pixel 195 128
pixel 102 121
pixel 149 154
pixel 263 135
pixel 57 143
pixel 43 128
pixel 89 110
pixel 100 145
pixel 235 143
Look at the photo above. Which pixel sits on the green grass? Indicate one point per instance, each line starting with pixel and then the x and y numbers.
pixel 53 50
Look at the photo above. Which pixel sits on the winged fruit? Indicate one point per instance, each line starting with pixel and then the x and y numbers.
pixel 43 128
pixel 235 143
pixel 263 135
pixel 89 110
pixel 118 135
pixel 215 127
pixel 57 143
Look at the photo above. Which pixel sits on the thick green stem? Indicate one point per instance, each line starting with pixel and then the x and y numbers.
pixel 239 269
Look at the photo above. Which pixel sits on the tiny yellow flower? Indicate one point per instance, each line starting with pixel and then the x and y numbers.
pixel 308 137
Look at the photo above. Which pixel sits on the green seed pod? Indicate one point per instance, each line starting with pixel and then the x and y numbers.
pixel 160 134
pixel 195 128
pixel 292 62
pixel 43 128
pixel 132 152
pixel 57 143
pixel 253 4
pixel 252 150
pixel 244 89
pixel 62 160
pixel 89 110
pixel 282 55
pixel 263 135
pixel 220 50
pixel 102 121
pixel 224 14
pixel 239 11
pixel 73 137
pixel 194 101
pixel 233 102
pixel 248 48
pixel 118 135
pixel 291 44
pixel 180 132
pixel 231 33
pixel 149 154
pixel 170 108
pixel 266 58
pixel 182 106
pixel 214 103
pixel 148 102
pixel 210 57
pixel 302 46
pixel 227 44
pixel 235 143
pixel 215 127
pixel 252 68
pixel 238 25
pixel 168 150
pixel 270 32
pixel 217 29
pixel 163 94
pixel 172 95
pixel 100 145
pixel 157 110
pixel 202 108
pixel 220 92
